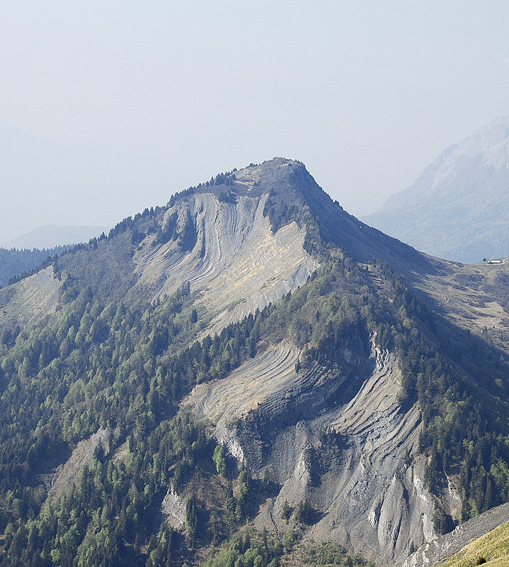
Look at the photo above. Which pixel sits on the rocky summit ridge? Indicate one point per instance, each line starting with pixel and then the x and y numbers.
pixel 251 333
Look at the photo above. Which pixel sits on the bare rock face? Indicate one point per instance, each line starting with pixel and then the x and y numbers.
pixel 234 260
pixel 68 473
pixel 376 492
pixel 173 508
pixel 30 299
pixel 342 441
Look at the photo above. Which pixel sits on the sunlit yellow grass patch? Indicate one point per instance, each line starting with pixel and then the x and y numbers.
pixel 492 550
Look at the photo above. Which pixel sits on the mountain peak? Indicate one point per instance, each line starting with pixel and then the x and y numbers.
pixel 494 132
pixel 491 143
pixel 275 162
pixel 246 325
pixel 270 172
pixel 290 193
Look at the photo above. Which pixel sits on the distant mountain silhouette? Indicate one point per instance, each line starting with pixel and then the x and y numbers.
pixel 458 208
pixel 52 235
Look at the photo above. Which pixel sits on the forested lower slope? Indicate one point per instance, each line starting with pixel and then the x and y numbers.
pixel 228 377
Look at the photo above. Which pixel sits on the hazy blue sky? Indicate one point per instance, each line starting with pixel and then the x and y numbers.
pixel 107 107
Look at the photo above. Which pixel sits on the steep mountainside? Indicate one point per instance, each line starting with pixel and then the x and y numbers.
pixel 458 209
pixel 249 353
